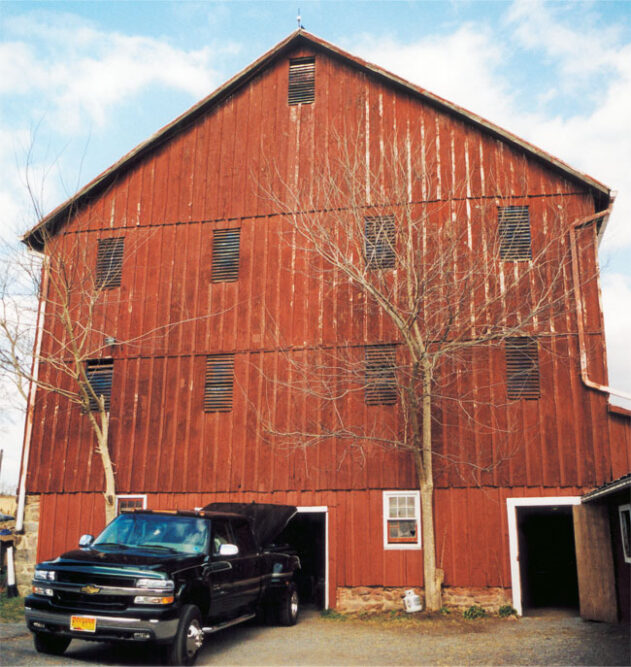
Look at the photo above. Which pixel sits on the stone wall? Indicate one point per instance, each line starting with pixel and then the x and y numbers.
pixel 379 598
pixel 26 546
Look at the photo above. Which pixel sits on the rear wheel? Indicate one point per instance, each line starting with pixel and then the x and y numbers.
pixel 188 639
pixel 51 644
pixel 289 607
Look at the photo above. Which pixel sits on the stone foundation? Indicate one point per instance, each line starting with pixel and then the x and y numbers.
pixel 26 546
pixel 489 598
pixel 380 598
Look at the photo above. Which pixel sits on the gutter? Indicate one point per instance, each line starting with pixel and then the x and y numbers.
pixel 602 216
pixel 28 428
pixel 606 490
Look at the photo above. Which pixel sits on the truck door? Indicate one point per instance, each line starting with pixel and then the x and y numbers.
pixel 219 574
pixel 246 567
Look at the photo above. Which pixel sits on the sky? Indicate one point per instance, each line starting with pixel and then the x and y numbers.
pixel 82 83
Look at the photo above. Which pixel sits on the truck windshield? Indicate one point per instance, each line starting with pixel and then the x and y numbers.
pixel 155 532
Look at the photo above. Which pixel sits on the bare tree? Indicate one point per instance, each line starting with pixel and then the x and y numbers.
pixel 53 328
pixel 432 275
pixel 57 335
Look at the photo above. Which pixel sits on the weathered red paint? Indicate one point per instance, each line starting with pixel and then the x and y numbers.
pixel 206 173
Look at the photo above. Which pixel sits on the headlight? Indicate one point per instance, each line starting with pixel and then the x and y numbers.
pixel 45 575
pixel 156 584
pixel 42 590
pixel 153 599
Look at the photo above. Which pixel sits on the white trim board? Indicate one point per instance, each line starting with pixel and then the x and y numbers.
pixel 513 538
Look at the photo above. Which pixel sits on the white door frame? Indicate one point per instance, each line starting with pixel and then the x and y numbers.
pixel 322 509
pixel 513 537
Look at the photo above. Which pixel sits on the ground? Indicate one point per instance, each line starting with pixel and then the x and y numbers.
pixel 334 640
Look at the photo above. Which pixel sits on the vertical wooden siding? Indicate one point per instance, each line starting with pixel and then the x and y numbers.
pixel 212 176
pixel 472 539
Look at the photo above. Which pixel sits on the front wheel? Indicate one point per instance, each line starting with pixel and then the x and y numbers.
pixel 50 644
pixel 289 606
pixel 188 639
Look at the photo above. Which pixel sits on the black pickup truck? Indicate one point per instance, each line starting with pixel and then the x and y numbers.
pixel 168 578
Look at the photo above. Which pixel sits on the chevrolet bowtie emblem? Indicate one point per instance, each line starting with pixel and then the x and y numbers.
pixel 90 589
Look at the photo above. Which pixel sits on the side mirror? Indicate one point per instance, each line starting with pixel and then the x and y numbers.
pixel 228 550
pixel 85 541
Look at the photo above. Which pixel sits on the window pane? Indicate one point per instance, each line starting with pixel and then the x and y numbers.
pixel 403 530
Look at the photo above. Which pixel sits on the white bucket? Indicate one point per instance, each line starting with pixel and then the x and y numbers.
pixel 412 602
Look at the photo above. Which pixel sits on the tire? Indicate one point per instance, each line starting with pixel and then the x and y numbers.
pixel 188 639
pixel 289 606
pixel 51 644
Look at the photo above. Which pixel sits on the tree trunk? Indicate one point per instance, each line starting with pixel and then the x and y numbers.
pixel 431 576
pixel 108 467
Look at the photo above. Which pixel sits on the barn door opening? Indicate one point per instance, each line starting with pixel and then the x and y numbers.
pixel 543 555
pixel 547 558
pixel 307 534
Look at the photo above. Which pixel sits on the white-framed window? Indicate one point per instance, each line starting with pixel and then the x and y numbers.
pixel 125 503
pixel 401 520
pixel 624 512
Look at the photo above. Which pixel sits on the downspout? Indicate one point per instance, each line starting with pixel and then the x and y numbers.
pixel 28 428
pixel 603 215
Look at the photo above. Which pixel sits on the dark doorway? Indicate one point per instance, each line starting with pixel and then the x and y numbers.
pixel 306 533
pixel 547 558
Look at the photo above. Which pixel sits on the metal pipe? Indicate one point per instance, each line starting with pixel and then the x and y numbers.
pixel 603 215
pixel 12 589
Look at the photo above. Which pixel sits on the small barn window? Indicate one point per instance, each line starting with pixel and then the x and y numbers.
pixel 624 512
pixel 225 259
pixel 401 520
pixel 109 262
pixel 301 89
pixel 219 383
pixel 127 503
pixel 380 239
pixel 522 368
pixel 514 231
pixel 380 381
pixel 100 374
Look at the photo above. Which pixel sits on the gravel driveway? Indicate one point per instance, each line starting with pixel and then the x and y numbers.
pixel 319 641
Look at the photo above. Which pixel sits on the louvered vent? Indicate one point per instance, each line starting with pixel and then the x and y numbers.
pixel 522 368
pixel 381 385
pixel 301 81
pixel 380 242
pixel 514 230
pixel 225 260
pixel 219 383
pixel 99 374
pixel 109 262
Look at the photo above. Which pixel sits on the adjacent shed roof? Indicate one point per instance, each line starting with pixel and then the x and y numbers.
pixel 50 223
pixel 621 484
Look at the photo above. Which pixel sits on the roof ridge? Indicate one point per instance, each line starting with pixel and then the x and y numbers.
pixel 35 239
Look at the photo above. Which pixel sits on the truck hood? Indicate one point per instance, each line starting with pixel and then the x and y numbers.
pixel 267 520
pixel 127 559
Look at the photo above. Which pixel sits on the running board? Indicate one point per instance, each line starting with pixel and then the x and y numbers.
pixel 215 628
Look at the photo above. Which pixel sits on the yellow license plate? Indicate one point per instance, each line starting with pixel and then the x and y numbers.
pixel 83 623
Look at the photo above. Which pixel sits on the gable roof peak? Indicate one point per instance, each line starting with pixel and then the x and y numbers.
pixel 48 225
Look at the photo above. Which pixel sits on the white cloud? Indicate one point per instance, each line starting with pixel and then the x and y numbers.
pixel 578 50
pixel 460 67
pixel 616 289
pixel 80 73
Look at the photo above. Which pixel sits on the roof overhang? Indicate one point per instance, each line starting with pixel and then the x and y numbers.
pixel 49 224
pixel 621 484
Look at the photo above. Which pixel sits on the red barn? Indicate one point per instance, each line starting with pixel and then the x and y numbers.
pixel 207 307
